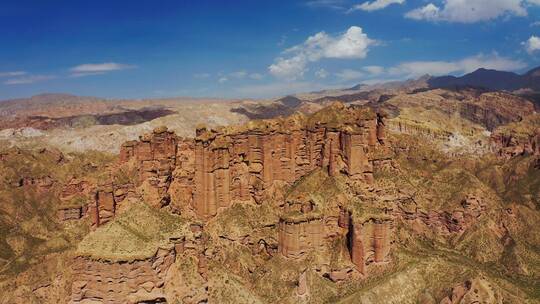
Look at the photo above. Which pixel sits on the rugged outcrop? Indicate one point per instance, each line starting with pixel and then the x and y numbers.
pixel 478 290
pixel 154 159
pixel 127 260
pixel 155 155
pixel 520 138
pixel 140 281
pixel 220 166
pixel 369 242
pixel 443 222
pixel 239 164
pixel 495 109
pixel 71 213
pixel 299 236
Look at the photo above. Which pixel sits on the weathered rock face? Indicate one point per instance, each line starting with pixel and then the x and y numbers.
pixel 155 155
pixel 239 165
pixel 103 207
pixel 74 213
pixel 508 146
pixel 155 158
pixel 495 108
pixel 417 130
pixel 369 242
pixel 297 237
pixel 477 290
pixel 445 222
pixel 75 187
pixel 127 282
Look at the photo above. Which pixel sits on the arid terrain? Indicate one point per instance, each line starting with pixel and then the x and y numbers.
pixel 423 191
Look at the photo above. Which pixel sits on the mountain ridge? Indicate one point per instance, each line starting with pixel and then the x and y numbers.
pixel 490 79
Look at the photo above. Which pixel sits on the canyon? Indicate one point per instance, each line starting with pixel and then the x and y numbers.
pixel 317 204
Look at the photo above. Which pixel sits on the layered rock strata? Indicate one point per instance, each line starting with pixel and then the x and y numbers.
pixel 508 145
pixel 155 159
pixel 297 237
pixel 238 164
pixel 155 155
pixel 369 242
pixel 139 281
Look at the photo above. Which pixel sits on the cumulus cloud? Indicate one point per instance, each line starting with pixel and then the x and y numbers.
pixel 348 74
pixel 375 5
pixel 98 68
pixel 470 11
pixel 429 12
pixel 28 79
pixel 353 44
pixel 414 69
pixel 291 68
pixel 12 74
pixel 532 44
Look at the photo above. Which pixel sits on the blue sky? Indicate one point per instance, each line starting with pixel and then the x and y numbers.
pixel 153 49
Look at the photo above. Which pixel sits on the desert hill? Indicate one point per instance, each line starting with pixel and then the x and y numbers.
pixel 434 192
pixel 329 197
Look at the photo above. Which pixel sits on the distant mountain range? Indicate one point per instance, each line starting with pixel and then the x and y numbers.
pixel 490 79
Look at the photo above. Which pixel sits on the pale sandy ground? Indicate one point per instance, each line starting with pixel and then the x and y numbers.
pixel 109 138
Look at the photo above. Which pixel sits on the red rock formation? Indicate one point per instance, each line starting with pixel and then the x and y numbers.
pixel 370 242
pixel 302 289
pixel 240 165
pixel 297 237
pixel 74 187
pixel 103 207
pixel 445 222
pixel 226 165
pixel 155 155
pixel 508 146
pixel 127 282
pixel 74 213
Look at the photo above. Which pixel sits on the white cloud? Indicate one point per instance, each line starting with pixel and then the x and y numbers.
pixel 77 75
pixel 532 44
pixel 353 44
pixel 414 69
pixel 536 23
pixel 470 11
pixel 88 69
pixel 333 4
pixel 348 74
pixel 291 68
pixel 429 12
pixel 374 69
pixel 375 5
pixel 223 79
pixel 29 79
pixel 12 74
pixel 321 73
